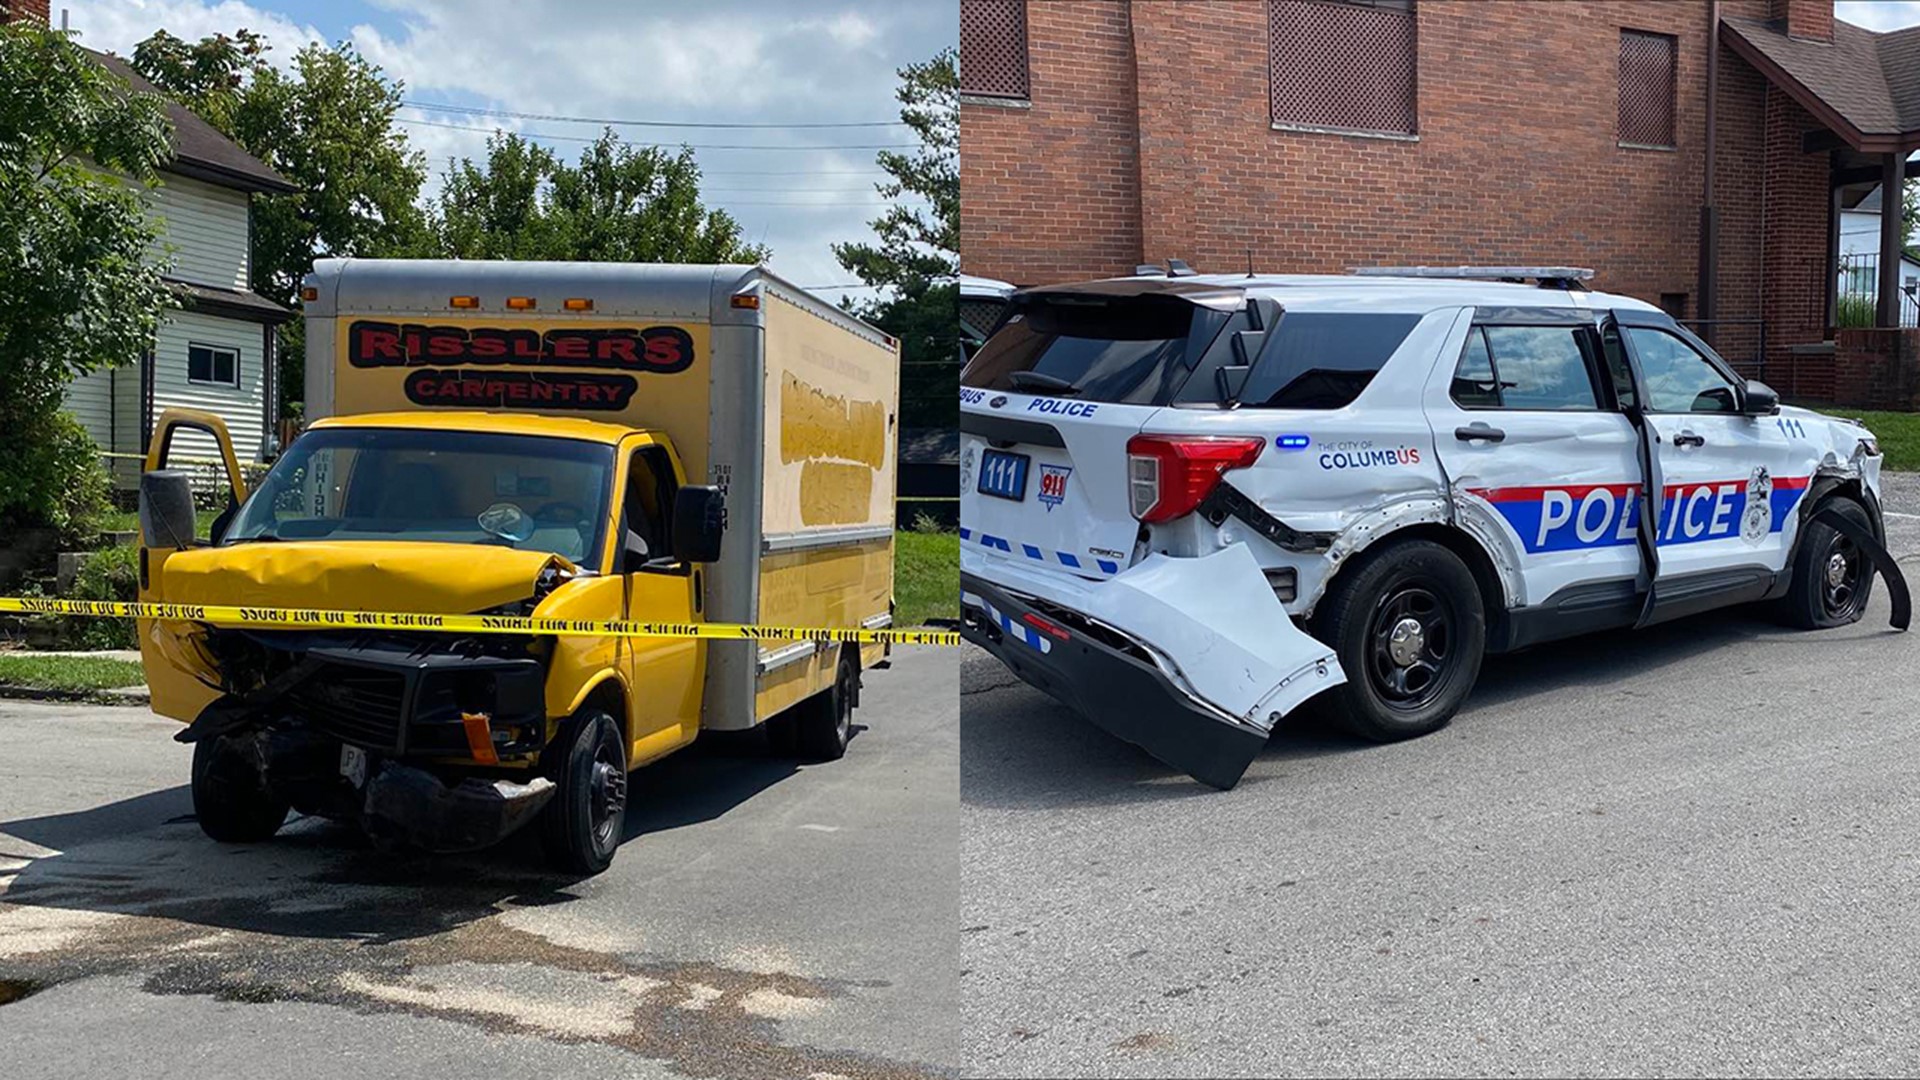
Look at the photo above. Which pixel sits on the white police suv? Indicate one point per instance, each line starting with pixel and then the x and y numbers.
pixel 1189 503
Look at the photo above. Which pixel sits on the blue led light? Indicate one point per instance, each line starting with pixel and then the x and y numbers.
pixel 1292 442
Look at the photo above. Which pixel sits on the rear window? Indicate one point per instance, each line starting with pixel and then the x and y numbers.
pixel 1162 350
pixel 1324 359
pixel 1136 350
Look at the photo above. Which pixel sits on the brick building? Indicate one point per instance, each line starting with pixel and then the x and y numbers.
pixel 1694 154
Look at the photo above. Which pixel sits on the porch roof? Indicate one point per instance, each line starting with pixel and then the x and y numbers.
pixel 1864 85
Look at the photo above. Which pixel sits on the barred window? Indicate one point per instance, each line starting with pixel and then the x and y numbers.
pixel 1343 64
pixel 993 48
pixel 1646 88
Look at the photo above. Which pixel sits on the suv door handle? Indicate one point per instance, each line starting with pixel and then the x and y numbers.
pixel 1688 438
pixel 1479 429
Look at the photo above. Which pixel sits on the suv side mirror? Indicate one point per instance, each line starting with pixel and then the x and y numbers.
pixel 166 509
pixel 1761 400
pixel 699 521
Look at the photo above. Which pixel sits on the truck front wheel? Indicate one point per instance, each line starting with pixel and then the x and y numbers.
pixel 581 826
pixel 230 798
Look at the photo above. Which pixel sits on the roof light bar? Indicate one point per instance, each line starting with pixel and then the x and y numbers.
pixel 1477 273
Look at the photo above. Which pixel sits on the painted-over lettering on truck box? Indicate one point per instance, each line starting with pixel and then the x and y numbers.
pixel 662 443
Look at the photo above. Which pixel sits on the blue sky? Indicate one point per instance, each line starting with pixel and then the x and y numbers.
pixel 726 61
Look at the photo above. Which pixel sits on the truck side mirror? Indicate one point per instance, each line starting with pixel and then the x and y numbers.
pixel 1761 400
pixel 166 509
pixel 699 521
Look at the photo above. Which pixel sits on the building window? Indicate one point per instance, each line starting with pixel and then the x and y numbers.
pixel 1344 65
pixel 212 364
pixel 1646 89
pixel 993 48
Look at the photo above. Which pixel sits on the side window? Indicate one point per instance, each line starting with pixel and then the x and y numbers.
pixel 648 507
pixel 1678 378
pixel 1474 386
pixel 1545 368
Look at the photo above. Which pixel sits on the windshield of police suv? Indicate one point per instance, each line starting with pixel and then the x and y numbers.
pixel 440 486
pixel 1161 350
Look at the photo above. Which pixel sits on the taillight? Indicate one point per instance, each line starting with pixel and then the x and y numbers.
pixel 1169 475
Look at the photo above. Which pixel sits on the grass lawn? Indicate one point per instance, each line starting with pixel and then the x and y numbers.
pixel 69 674
pixel 926 577
pixel 1898 432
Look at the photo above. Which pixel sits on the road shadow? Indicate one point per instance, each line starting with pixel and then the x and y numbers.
pixel 146 856
pixel 1021 750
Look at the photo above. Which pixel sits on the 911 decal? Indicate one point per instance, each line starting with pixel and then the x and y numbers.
pixel 1572 516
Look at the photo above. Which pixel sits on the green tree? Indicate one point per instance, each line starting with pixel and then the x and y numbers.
pixel 327 126
pixel 80 289
pixel 917 255
pixel 618 203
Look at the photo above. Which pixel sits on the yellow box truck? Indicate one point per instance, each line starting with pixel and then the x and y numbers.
pixel 568 440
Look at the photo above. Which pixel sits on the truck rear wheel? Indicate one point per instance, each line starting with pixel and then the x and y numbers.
pixel 230 800
pixel 823 724
pixel 582 825
pixel 1408 625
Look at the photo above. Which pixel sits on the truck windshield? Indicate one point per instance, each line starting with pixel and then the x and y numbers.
pixel 423 485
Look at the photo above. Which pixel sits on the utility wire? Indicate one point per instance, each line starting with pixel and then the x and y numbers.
pixel 660 146
pixel 474 110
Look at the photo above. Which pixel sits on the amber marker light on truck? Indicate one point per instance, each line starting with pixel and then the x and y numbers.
pixel 577 303
pixel 463 301
pixel 520 303
pixel 746 301
pixel 309 294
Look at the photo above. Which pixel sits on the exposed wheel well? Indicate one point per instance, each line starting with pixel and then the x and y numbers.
pixel 1493 596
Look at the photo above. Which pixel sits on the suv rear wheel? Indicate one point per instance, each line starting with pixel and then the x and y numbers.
pixel 1407 622
pixel 1832 577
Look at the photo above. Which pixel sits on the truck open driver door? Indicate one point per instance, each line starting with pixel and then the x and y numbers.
pixel 168 523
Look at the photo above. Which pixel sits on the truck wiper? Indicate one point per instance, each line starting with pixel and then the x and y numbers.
pixel 1034 380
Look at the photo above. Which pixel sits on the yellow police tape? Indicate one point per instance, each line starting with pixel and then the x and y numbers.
pixel 309 618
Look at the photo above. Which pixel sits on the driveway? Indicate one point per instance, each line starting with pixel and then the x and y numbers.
pixel 1689 849
pixel 763 920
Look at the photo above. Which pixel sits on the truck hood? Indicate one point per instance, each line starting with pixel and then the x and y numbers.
pixel 429 578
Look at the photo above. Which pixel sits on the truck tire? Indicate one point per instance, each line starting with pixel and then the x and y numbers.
pixel 1409 627
pixel 582 825
pixel 1832 578
pixel 231 803
pixel 824 722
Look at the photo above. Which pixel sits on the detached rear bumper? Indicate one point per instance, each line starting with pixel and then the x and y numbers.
pixel 1111 680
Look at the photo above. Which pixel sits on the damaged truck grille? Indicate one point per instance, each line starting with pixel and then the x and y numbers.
pixel 396 696
pixel 362 706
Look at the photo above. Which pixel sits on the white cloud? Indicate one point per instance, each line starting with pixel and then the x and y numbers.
pixel 116 26
pixel 1879 14
pixel 751 61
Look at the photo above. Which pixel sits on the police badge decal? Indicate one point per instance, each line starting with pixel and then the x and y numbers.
pixel 1757 521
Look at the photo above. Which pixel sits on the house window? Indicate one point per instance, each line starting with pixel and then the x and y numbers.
pixel 993 48
pixel 1343 65
pixel 1646 89
pixel 212 364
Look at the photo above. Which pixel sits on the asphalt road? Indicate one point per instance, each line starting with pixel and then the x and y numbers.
pixel 1694 849
pixel 763 920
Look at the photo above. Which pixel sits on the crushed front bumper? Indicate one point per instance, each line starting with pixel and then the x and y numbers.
pixel 1192 660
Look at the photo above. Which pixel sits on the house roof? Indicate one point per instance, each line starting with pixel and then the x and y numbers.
pixel 234 303
pixel 199 150
pixel 1864 84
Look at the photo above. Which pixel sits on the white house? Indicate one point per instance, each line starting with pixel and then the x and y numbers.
pixel 217 352
pixel 1859 255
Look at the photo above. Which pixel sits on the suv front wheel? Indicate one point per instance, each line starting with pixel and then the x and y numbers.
pixel 1408 625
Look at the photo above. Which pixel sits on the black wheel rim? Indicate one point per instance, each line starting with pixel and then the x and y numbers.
pixel 1410 647
pixel 1842 571
pixel 606 794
